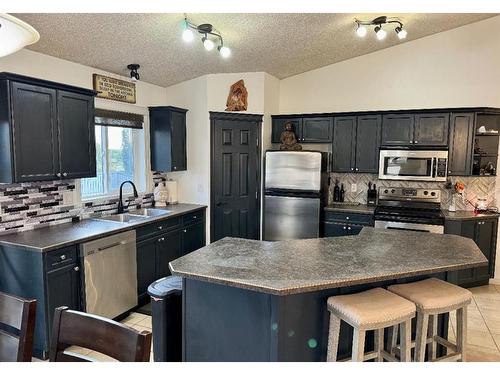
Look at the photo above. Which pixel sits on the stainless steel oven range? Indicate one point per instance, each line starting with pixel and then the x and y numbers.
pixel 414 209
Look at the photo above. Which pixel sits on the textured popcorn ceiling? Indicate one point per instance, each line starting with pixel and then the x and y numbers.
pixel 279 44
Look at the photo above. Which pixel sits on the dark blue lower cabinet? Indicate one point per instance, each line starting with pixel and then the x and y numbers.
pixel 341 229
pixel 193 237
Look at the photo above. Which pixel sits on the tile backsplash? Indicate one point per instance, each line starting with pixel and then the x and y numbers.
pixel 34 205
pixel 474 187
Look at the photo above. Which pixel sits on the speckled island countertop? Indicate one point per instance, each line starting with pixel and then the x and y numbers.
pixel 353 208
pixel 57 236
pixel 298 266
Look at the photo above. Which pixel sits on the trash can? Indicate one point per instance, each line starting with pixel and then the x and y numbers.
pixel 166 307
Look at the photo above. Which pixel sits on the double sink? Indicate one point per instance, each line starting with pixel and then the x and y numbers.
pixel 136 215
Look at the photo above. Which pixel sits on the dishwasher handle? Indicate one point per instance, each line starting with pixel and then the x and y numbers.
pixel 113 245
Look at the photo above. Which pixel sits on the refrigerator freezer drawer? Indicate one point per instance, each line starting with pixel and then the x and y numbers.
pixel 289 218
pixel 288 170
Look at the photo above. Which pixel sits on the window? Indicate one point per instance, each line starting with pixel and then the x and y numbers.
pixel 119 157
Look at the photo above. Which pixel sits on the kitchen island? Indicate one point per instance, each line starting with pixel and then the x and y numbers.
pixel 247 300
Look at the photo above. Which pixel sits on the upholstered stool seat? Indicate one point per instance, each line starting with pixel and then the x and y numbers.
pixel 373 309
pixel 433 297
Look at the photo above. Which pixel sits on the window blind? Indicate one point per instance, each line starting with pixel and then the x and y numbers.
pixel 106 117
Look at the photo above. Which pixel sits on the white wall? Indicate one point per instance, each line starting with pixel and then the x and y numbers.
pixel 455 68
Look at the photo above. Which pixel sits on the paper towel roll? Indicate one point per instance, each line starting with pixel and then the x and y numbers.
pixel 172 191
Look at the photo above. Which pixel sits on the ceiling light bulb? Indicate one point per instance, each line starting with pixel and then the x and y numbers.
pixel 15 34
pixel 187 35
pixel 361 31
pixel 381 33
pixel 208 44
pixel 402 33
pixel 224 51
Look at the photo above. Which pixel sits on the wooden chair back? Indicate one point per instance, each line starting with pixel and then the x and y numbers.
pixel 17 326
pixel 96 333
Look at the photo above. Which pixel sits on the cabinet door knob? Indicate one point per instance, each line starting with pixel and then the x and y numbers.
pixel 58 174
pixel 411 141
pixel 415 142
pixel 194 217
pixel 63 257
pixel 65 174
pixel 77 268
pixel 185 230
pixel 347 217
pixel 357 169
pixel 345 228
pixel 352 169
pixel 175 167
pixel 160 227
pixel 348 228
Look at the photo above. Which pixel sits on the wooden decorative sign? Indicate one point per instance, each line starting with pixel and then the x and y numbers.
pixel 114 89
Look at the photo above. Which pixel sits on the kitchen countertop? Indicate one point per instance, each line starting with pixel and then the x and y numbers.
pixel 353 208
pixel 298 266
pixel 464 215
pixel 57 236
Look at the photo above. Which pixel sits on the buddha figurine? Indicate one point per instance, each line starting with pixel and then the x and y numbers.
pixel 288 139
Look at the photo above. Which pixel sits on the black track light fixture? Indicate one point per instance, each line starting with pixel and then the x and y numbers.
pixel 209 37
pixel 134 72
pixel 361 29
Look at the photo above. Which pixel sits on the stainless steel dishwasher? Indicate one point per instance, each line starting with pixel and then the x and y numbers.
pixel 110 269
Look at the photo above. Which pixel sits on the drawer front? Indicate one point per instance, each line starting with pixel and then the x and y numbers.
pixel 341 229
pixel 61 258
pixel 348 217
pixel 192 217
pixel 159 226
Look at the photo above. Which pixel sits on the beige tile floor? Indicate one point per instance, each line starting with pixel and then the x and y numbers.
pixel 483 330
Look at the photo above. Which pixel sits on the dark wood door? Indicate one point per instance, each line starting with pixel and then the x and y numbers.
pixel 431 129
pixel 35 132
pixel 278 126
pixel 235 175
pixel 168 248
pixel 179 162
pixel 343 148
pixel 461 144
pixel 193 237
pixel 397 130
pixel 63 289
pixel 317 130
pixel 146 260
pixel 368 143
pixel 486 241
pixel 76 135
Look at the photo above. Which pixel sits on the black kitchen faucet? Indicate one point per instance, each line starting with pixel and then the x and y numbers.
pixel 120 202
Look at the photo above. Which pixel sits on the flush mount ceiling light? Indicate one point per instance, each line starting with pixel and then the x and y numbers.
pixel 134 72
pixel 361 29
pixel 209 37
pixel 15 34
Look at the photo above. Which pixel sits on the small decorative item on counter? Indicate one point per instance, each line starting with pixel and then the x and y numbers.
pixel 172 192
pixel 457 189
pixel 342 193
pixel 336 191
pixel 161 194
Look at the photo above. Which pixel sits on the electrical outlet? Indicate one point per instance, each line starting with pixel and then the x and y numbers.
pixel 67 197
pixel 354 188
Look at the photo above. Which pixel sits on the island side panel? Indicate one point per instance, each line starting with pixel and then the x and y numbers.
pixel 223 323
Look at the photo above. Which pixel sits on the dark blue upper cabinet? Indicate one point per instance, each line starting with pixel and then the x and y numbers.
pixel 46 130
pixel 168 139
pixel 397 129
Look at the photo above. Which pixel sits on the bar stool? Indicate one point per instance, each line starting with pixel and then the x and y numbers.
pixel 374 309
pixel 433 297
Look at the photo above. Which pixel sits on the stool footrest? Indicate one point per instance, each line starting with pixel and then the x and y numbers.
pixel 452 357
pixel 445 343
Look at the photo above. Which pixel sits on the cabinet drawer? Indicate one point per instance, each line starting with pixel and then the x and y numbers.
pixel 61 258
pixel 192 217
pixel 348 217
pixel 341 229
pixel 159 226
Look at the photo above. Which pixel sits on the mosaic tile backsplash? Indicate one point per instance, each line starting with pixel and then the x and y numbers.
pixel 474 187
pixel 37 204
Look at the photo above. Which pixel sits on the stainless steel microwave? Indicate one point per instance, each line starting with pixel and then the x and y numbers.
pixel 413 165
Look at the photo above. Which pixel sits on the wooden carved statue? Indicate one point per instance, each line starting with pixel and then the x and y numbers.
pixel 289 140
pixel 237 98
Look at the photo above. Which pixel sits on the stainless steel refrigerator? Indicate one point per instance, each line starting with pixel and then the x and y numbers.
pixel 295 191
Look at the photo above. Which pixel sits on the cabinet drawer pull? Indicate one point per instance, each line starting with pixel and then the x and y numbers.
pixel 77 268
